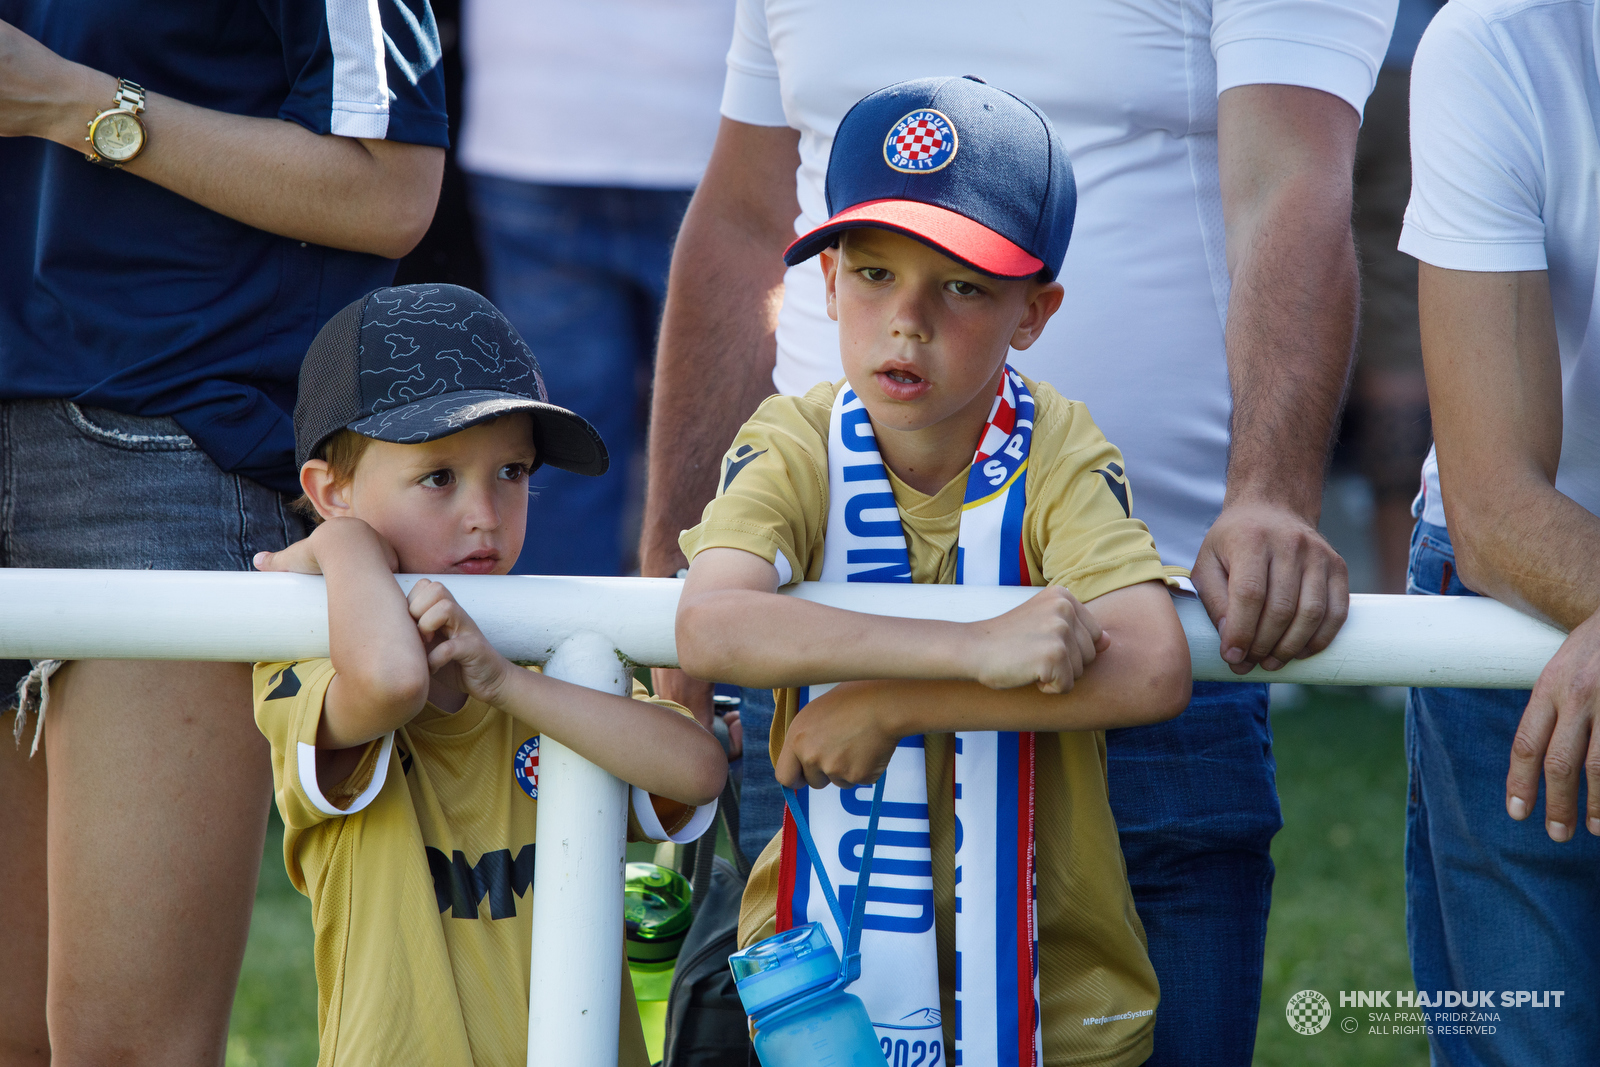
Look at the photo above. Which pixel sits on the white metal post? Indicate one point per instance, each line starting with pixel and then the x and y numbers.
pixel 576 975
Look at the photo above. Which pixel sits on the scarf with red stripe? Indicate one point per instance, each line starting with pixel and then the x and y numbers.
pixel 997 975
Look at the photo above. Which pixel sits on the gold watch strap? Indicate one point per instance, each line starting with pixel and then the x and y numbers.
pixel 130 95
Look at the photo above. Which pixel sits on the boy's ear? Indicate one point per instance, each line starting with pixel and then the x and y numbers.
pixel 1046 302
pixel 329 496
pixel 829 257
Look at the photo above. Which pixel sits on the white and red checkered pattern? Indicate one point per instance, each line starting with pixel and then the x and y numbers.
pixel 919 141
pixel 525 767
pixel 1002 421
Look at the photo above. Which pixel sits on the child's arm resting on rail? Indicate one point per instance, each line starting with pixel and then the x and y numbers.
pixel 1140 675
pixel 380 667
pixel 666 754
pixel 732 626
pixel 312 784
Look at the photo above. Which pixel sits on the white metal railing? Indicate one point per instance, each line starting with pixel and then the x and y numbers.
pixel 592 631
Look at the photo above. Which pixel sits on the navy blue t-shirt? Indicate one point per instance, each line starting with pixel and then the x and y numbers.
pixel 117 293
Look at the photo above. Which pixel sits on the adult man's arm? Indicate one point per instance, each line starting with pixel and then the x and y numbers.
pixel 1274 588
pixel 717 349
pixel 362 195
pixel 1494 385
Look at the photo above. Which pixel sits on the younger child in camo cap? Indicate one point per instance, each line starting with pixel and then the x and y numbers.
pixel 406 764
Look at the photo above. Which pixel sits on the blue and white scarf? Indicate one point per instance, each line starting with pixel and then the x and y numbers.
pixel 997 974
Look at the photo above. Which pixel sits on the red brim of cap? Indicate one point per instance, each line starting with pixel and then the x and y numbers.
pixel 955 235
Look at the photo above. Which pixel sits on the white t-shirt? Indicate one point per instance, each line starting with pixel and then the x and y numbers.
pixel 1132 87
pixel 593 92
pixel 1505 176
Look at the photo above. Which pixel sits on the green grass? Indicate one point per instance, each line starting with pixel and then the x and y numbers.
pixel 1338 915
pixel 275 1011
pixel 1338 905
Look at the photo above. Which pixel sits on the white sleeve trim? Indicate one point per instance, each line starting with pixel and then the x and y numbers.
pixel 1458 253
pixel 1312 65
pixel 752 99
pixel 307 759
pixel 360 72
pixel 785 569
pixel 645 812
pixel 752 93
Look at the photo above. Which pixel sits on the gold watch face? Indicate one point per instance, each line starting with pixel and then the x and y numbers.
pixel 118 136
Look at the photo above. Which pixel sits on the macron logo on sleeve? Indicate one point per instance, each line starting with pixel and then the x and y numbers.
pixel 283 684
pixel 741 459
pixel 1118 484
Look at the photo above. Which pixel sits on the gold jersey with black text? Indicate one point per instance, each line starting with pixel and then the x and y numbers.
pixel 419 867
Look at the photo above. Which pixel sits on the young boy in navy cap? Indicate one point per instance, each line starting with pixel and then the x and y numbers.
pixel 407 764
pixel 998 892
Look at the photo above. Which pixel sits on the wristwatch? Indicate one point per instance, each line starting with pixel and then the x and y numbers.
pixel 116 135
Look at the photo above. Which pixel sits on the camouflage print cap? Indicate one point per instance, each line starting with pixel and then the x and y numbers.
pixel 414 363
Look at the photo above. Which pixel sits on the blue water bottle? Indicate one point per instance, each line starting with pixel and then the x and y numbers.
pixel 792 984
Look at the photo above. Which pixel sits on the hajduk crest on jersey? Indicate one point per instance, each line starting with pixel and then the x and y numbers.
pixel 525 767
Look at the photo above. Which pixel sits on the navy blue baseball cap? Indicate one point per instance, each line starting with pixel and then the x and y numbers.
pixel 973 171
pixel 414 363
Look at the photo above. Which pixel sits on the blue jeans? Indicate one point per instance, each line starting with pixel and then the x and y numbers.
pixel 1492 904
pixel 1196 804
pixel 581 273
pixel 760 795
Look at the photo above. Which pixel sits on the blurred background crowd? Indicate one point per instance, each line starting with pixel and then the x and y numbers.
pixel 568 228
pixel 565 215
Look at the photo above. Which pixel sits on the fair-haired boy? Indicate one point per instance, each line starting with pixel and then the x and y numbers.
pixel 998 892
pixel 406 764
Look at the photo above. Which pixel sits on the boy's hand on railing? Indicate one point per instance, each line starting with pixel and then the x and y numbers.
pixel 458 654
pixel 1558 736
pixel 1047 641
pixel 335 534
pixel 836 739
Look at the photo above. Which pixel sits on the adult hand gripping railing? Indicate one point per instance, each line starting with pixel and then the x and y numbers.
pixel 592 631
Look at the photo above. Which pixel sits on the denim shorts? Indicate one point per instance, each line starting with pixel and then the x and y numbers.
pixel 92 488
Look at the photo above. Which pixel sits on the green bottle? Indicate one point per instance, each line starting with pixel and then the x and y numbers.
pixel 655 909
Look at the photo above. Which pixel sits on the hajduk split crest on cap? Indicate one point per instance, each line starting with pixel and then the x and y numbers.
pixel 964 167
pixel 922 142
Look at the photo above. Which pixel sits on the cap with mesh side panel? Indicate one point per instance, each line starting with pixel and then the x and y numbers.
pixel 328 399
pixel 414 363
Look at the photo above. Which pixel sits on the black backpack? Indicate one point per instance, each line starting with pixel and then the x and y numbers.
pixel 706 1023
